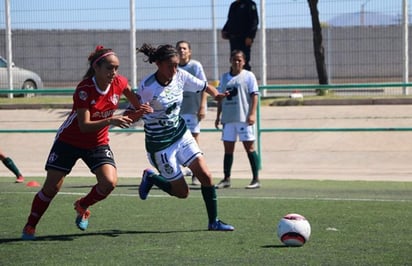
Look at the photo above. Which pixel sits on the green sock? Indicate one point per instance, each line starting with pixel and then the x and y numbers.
pixel 210 199
pixel 8 162
pixel 227 165
pixel 254 164
pixel 161 182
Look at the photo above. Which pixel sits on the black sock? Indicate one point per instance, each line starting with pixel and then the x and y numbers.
pixel 8 162
pixel 210 199
pixel 227 165
pixel 161 183
pixel 254 164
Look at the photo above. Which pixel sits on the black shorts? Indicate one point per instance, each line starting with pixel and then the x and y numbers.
pixel 63 157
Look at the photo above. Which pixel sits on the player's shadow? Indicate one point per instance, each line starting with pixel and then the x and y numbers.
pixel 109 233
pixel 129 186
pixel 275 246
pixel 89 186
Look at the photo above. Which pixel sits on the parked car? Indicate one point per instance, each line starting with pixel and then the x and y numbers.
pixel 22 79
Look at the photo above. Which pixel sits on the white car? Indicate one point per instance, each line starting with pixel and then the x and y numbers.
pixel 22 79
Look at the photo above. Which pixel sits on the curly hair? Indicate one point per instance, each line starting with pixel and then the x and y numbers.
pixel 161 53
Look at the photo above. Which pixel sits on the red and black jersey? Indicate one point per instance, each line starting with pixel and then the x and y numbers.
pixel 101 104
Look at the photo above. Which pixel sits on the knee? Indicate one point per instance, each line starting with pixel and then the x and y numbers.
pixel 205 180
pixel 181 193
pixel 107 188
pixel 112 185
pixel 50 191
pixel 182 196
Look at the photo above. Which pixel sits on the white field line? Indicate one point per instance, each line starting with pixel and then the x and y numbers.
pixel 237 197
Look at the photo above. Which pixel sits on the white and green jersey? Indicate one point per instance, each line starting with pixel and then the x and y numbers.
pixel 192 100
pixel 235 107
pixel 164 126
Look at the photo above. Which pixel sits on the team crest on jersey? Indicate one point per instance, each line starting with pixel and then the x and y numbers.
pixel 52 157
pixel 115 99
pixel 83 95
pixel 168 168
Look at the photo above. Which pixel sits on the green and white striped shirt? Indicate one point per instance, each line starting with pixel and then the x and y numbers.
pixel 164 126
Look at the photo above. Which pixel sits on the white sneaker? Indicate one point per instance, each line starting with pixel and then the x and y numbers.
pixel 195 181
pixel 223 184
pixel 253 185
pixel 187 172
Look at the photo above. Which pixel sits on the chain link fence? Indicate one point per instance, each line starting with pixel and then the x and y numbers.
pixel 362 39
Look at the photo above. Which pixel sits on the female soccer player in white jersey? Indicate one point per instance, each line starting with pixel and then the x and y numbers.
pixel 169 144
pixel 238 111
pixel 194 105
pixel 84 135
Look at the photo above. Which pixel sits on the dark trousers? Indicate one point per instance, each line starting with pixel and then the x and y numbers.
pixel 238 43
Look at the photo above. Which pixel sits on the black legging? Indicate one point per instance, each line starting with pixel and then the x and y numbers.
pixel 238 43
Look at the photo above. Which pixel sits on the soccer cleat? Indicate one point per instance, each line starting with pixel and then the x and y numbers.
pixel 253 185
pixel 218 225
pixel 28 233
pixel 187 172
pixel 145 184
pixel 20 179
pixel 225 183
pixel 82 218
pixel 195 181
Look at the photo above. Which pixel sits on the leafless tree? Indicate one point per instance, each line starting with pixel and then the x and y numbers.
pixel 317 43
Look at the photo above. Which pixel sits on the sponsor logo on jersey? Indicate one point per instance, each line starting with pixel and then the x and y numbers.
pixel 104 114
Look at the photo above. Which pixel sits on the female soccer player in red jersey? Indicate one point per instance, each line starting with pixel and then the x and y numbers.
pixel 84 135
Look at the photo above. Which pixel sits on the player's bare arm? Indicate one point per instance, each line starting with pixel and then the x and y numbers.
pixel 218 113
pixel 87 125
pixel 139 109
pixel 135 115
pixel 212 91
pixel 251 119
pixel 131 97
pixel 201 114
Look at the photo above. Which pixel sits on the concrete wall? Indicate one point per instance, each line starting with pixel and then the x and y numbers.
pixel 60 57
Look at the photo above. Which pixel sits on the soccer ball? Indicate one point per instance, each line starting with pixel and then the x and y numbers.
pixel 293 230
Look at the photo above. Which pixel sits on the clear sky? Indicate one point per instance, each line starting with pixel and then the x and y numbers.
pixel 166 14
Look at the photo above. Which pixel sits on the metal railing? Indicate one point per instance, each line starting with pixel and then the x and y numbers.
pixel 260 130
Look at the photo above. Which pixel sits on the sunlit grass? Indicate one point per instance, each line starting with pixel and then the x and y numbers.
pixel 353 223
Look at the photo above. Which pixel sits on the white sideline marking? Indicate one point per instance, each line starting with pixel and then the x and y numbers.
pixel 235 197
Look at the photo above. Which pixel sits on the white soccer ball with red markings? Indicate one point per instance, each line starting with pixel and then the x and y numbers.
pixel 294 230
